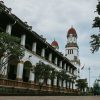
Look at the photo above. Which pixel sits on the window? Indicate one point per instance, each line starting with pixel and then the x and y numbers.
pixel 72 51
pixel 75 57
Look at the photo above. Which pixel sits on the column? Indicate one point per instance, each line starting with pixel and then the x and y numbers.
pixel 20 71
pixel 49 82
pixel 23 38
pixel 60 83
pixel 68 68
pixel 43 52
pixel 61 64
pixel 34 47
pixel 8 29
pixel 68 84
pixel 76 72
pixel 71 70
pixel 55 81
pixel 65 66
pixel 50 57
pixel 56 60
pixel 72 85
pixel 64 84
pixel 32 76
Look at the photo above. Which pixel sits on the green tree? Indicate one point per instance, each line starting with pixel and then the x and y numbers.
pixel 9 45
pixel 95 39
pixel 81 84
pixel 43 71
pixel 96 87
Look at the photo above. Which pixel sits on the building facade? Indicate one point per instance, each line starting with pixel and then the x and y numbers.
pixel 19 73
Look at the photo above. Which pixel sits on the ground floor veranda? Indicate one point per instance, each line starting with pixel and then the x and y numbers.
pixel 19 75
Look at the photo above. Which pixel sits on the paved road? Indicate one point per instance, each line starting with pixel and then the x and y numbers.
pixel 50 98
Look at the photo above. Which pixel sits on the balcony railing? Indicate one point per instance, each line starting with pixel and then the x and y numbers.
pixel 27 85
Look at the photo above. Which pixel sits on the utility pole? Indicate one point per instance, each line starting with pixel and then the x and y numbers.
pixel 89 77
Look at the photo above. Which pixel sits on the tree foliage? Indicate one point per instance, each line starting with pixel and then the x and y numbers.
pixel 95 43
pixel 62 75
pixel 9 45
pixel 95 39
pixel 81 84
pixel 45 71
pixel 96 87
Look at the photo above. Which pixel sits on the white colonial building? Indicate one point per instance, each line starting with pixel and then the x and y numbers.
pixel 20 74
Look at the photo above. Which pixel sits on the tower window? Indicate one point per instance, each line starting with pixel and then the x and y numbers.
pixel 75 57
pixel 70 51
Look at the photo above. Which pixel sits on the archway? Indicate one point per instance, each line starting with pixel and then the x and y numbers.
pixel 12 67
pixel 26 71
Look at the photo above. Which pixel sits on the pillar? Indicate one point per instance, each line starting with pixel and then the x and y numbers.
pixel 32 77
pixel 60 83
pixel 61 64
pixel 72 85
pixel 20 71
pixel 8 29
pixel 23 38
pixel 68 84
pixel 49 82
pixel 64 84
pixel 34 47
pixel 43 52
pixel 68 68
pixel 56 60
pixel 65 66
pixel 76 72
pixel 71 70
pixel 50 57
pixel 55 81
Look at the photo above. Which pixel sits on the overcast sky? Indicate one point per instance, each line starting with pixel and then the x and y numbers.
pixel 53 18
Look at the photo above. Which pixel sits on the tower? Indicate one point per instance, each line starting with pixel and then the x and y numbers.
pixel 72 49
pixel 54 44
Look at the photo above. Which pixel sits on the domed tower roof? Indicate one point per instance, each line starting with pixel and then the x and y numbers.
pixel 71 31
pixel 55 45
